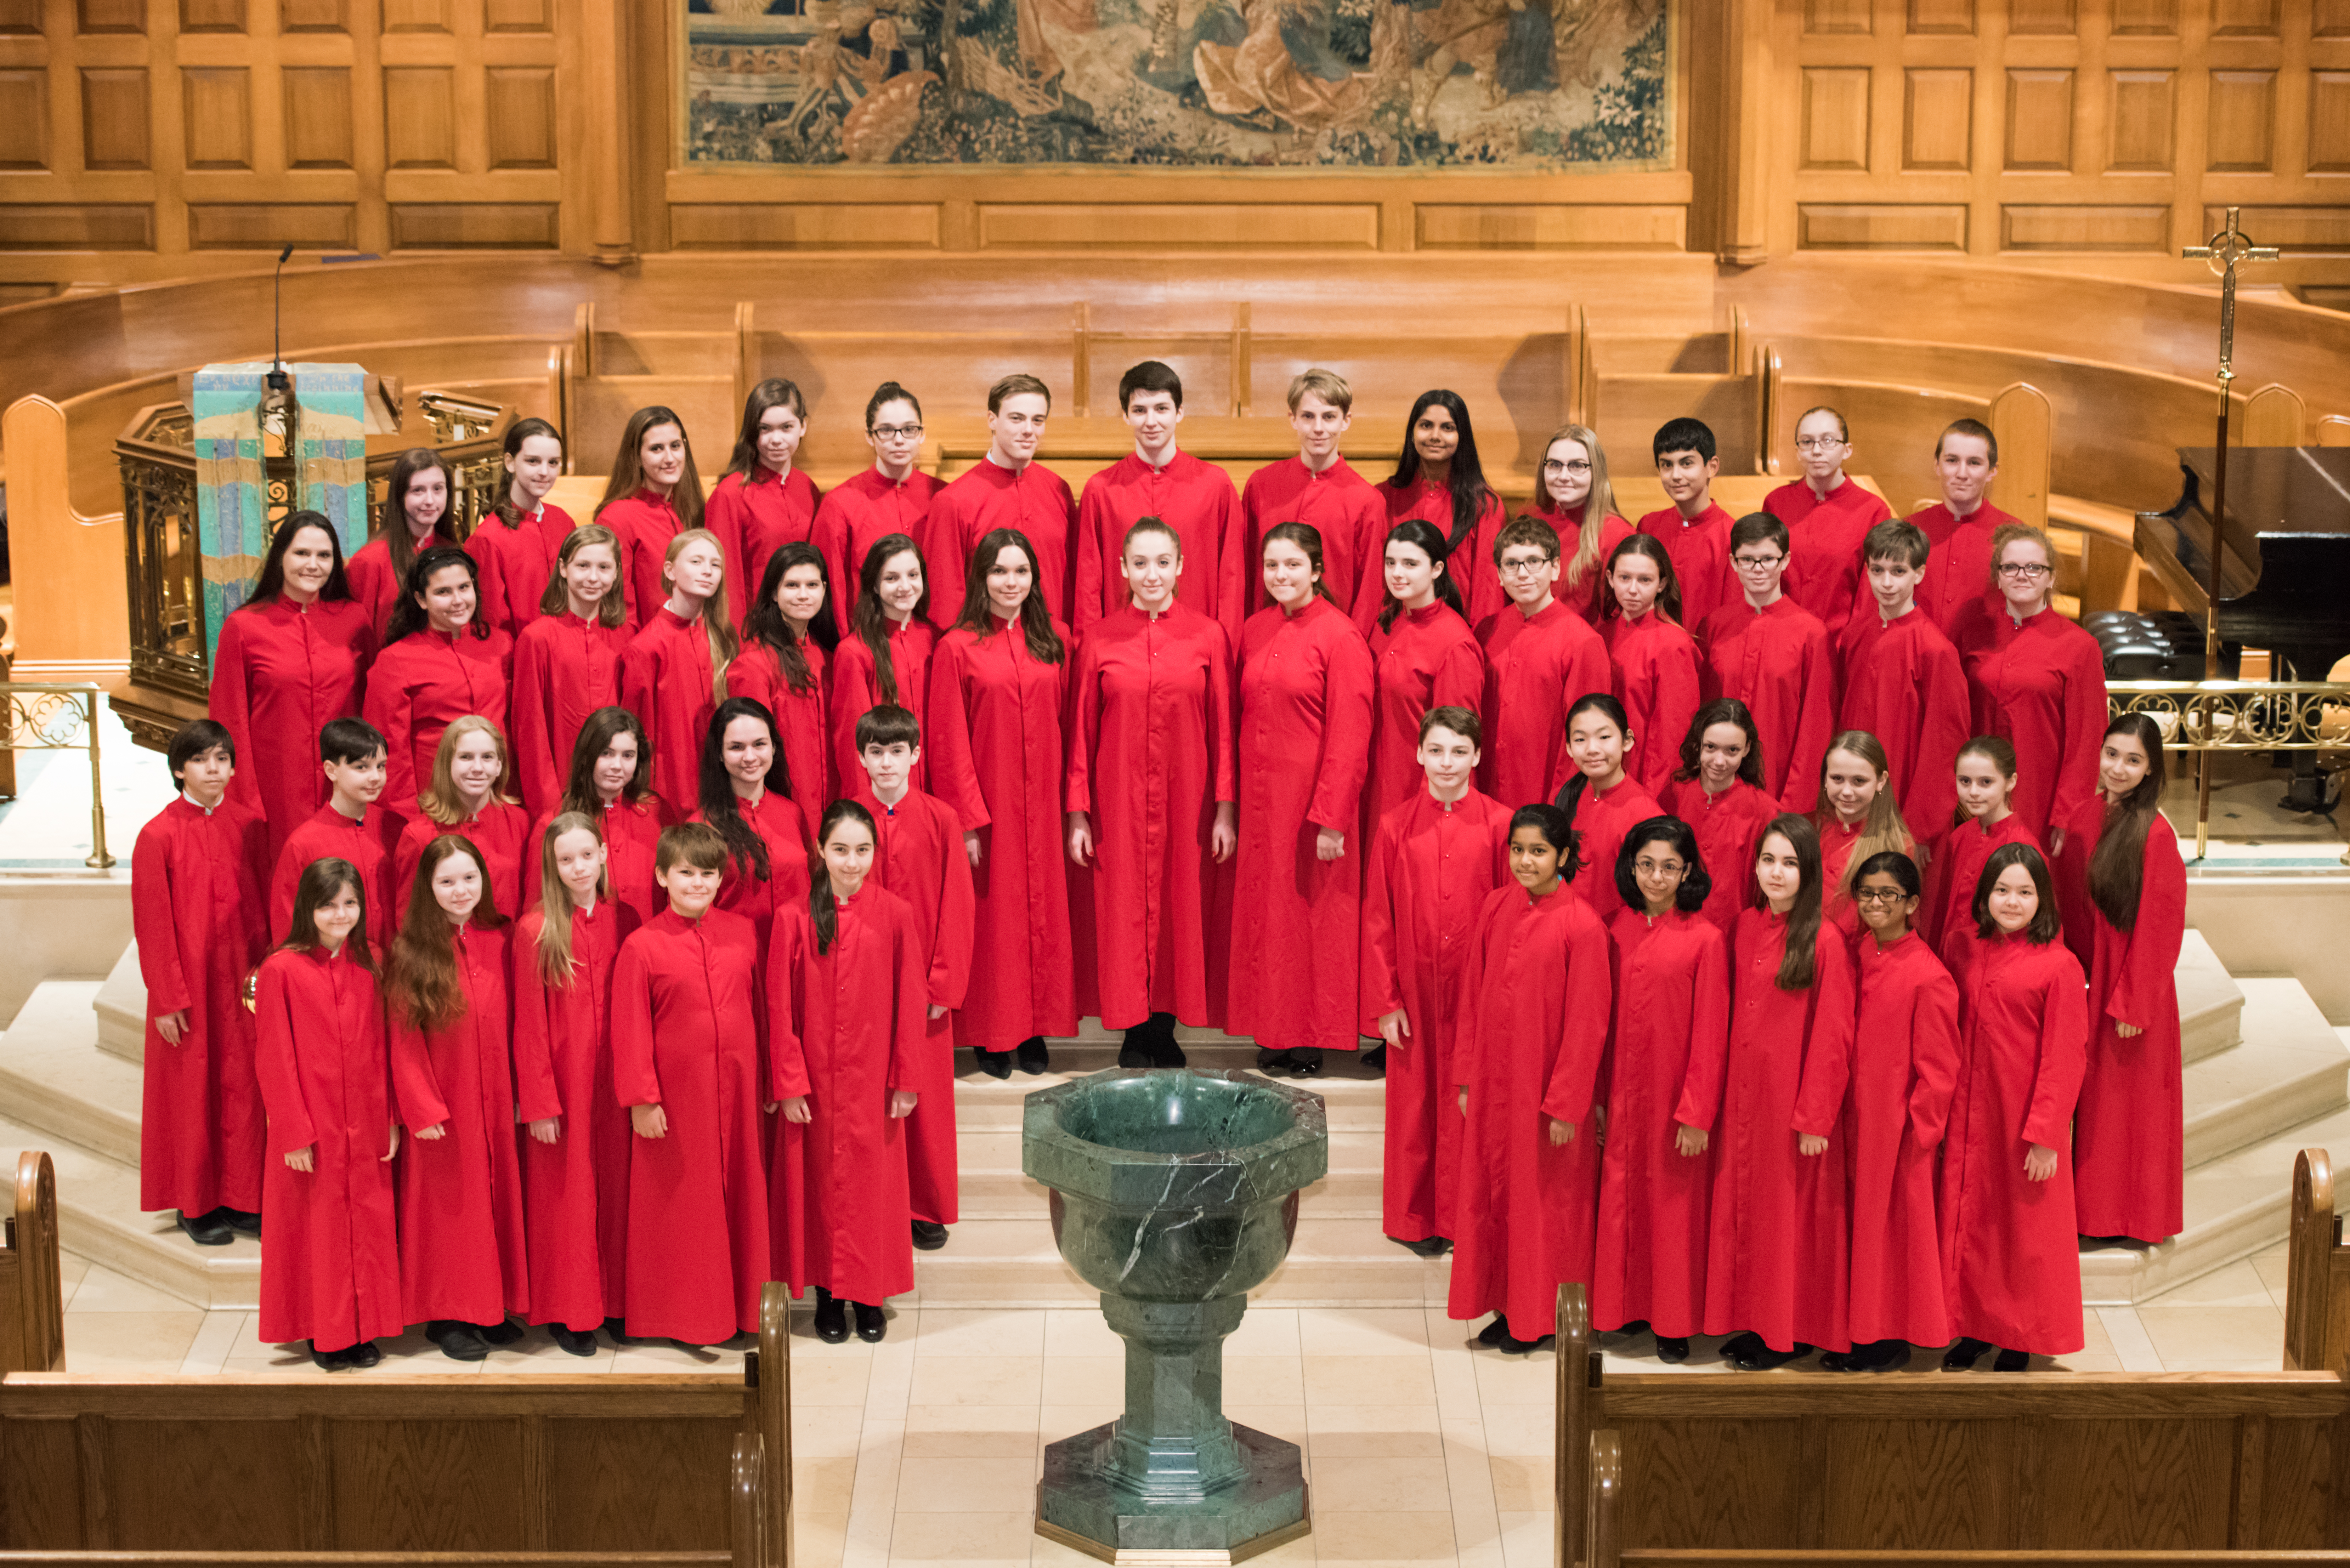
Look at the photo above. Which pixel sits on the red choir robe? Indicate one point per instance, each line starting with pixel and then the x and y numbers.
pixel 1777 1265
pixel 996 757
pixel 1601 819
pixel 1838 844
pixel 1665 1063
pixel 687 1034
pixel 1730 827
pixel 2128 1130
pixel 367 842
pixel 2040 683
pixel 1426 881
pixel 1471 562
pixel 1775 660
pixel 578 1186
pixel 844 1028
pixel 856 514
pixel 666 682
pixel 802 727
pixel 554 525
pixel 330 1273
pixel 1150 759
pixel 1955 589
pixel 1903 684
pixel 1825 573
pixel 1194 498
pixel 512 566
pixel 500 830
pixel 1533 1027
pixel 1536 668
pixel 462 1253
pixel 786 831
pixel 633 832
pixel 564 669
pixel 1304 744
pixel 857 691
pixel 1338 504
pixel 645 524
pixel 283 672
pixel 374 586
pixel 1425 659
pixel 1655 666
pixel 1699 548
pixel 2011 1248
pixel 920 858
pixel 418 687
pixel 1905 1062
pixel 1589 594
pixel 196 912
pixel 755 516
pixel 985 497
pixel 1947 910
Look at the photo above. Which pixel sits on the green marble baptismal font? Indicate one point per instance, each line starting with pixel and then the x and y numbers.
pixel 1174 1193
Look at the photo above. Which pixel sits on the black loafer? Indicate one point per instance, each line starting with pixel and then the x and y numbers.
pixel 1962 1354
pixel 872 1323
pixel 617 1327
pixel 1426 1247
pixel 1307 1060
pixel 1134 1054
pixel 207 1229
pixel 328 1360
pixel 1509 1345
pixel 242 1222
pixel 458 1341
pixel 1031 1056
pixel 1671 1352
pixel 995 1064
pixel 1374 1060
pixel 1766 1359
pixel 1271 1061
pixel 574 1341
pixel 1165 1053
pixel 930 1235
pixel 364 1354
pixel 1739 1344
pixel 1494 1332
pixel 503 1332
pixel 831 1318
pixel 2012 1361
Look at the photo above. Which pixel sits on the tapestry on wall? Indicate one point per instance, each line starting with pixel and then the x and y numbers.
pixel 1359 84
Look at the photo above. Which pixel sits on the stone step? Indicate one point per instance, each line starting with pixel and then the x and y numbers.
pixel 2289 1068
pixel 2211 1002
pixel 122 1011
pixel 54 1082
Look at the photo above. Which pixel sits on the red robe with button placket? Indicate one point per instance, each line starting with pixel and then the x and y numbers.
pixel 645 524
pixel 564 669
pixel 367 842
pixel 631 840
pixel 1654 667
pixel 1588 594
pixel 2040 683
pixel 1905 1063
pixel 1825 532
pixel 786 831
pixel 1470 564
pixel 1536 667
pixel 512 563
pixel 1902 684
pixel 1776 660
pixel 1601 819
pixel 500 830
pixel 1424 659
pixel 666 682
pixel 283 672
pixel 985 497
pixel 1955 589
pixel 857 513
pixel 1337 504
pixel 1699 548
pixel 755 516
pixel 856 691
pixel 802 727
pixel 1729 827
pixel 1194 498
pixel 423 683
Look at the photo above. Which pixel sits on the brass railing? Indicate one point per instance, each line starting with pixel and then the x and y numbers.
pixel 42 716
pixel 2208 717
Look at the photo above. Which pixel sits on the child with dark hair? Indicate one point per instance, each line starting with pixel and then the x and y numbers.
pixel 350 826
pixel 788 642
pixel 1159 479
pixel 1772 654
pixel 513 545
pixel 892 496
pixel 1602 800
pixel 1902 679
pixel 1540 655
pixel 748 801
pixel 441 663
pixel 1718 791
pixel 764 502
pixel 1653 663
pixel 1694 529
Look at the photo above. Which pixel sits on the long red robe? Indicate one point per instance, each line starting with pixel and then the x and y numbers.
pixel 2040 683
pixel 1470 563
pixel 1957 866
pixel 554 525
pixel 330 1273
pixel 511 566
pixel 920 858
pixel 631 840
pixel 755 516
pixel 578 1186
pixel 2011 1248
pixel 418 687
pixel 1777 1265
pixel 1730 827
pixel 1826 573
pixel 985 497
pixel 1699 548
pixel 1338 504
pixel 1589 594
pixel 1425 883
pixel 687 1033
pixel 1194 498
pixel 857 691
pixel 1425 659
pixel 645 524
pixel 196 912
pixel 1902 683
pixel 666 682
pixel 2128 1130
pixel 997 756
pixel 1304 744
pixel 1838 844
pixel 1654 664
pixel 1536 668
pixel 1905 1062
pixel 803 727
pixel 1955 588
pixel 1150 758
pixel 856 514
pixel 786 831
pixel 564 669
pixel 367 842
pixel 374 586
pixel 500 830
pixel 1533 1027
pixel 283 672
pixel 1601 819
pixel 844 1028
pixel 1665 1064
pixel 1776 660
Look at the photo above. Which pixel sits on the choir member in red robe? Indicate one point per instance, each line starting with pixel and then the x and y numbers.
pixel 1775 1272
pixel 1305 694
pixel 291 661
pixel 1955 591
pixel 1901 678
pixel 653 496
pixel 1158 479
pixel 1662 1088
pixel 2040 681
pixel 200 925
pixel 1007 489
pixel 764 825
pixel 330 1273
pixel 1150 799
pixel 1905 1061
pixel 920 858
pixel 999 687
pixel 688 1034
pixel 462 1262
pixel 1772 654
pixel 1984 776
pixel 1439 481
pixel 575 1164
pixel 2122 889
pixel 1578 502
pixel 790 637
pixel 1319 489
pixel 611 784
pixel 1603 800
pixel 893 496
pixel 1855 817
pixel 885 660
pixel 1694 529
pixel 513 547
pixel 1653 662
pixel 415 512
pixel 1828 516
pixel 1423 655
pixel 350 826
pixel 673 672
pixel 1533 1028
pixel 846 981
pixel 1718 791
pixel 567 663
pixel 1540 655
pixel 762 502
pixel 469 795
pixel 2011 1260
pixel 438 664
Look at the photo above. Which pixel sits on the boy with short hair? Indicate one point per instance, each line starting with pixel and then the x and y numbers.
pixel 1956 592
pixel 1158 479
pixel 1695 531
pixel 1902 682
pixel 1007 488
pixel 349 827
pixel 1772 654
pixel 1319 489
pixel 196 911
pixel 1540 655
pixel 1828 516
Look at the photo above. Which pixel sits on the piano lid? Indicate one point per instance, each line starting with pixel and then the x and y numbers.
pixel 2275 490
pixel 2284 582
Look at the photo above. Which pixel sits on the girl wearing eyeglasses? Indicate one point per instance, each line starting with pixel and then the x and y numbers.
pixel 893 496
pixel 2037 681
pixel 1828 516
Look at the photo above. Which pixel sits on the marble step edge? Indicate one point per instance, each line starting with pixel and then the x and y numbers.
pixel 2211 1002
pixel 121 1008
pixel 2291 1067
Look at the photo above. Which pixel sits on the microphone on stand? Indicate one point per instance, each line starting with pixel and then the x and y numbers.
pixel 279 381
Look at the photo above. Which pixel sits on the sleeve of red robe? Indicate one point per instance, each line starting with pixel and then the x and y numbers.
pixel 792 954
pixel 1472 988
pixel 1933 1056
pixel 2064 1054
pixel 1224 722
pixel 1083 724
pixel 954 770
pixel 154 925
pixel 950 966
pixel 2085 726
pixel 1460 677
pixel 909 979
pixel 1348 690
pixel 1828 1054
pixel 278 1063
pixel 1588 1004
pixel 414 1088
pixel 536 1095
pixel 1814 727
pixel 229 703
pixel 538 772
pixel 388 710
pixel 1944 724
pixel 634 1080
pixel 2143 981
pixel 1708 1059
pixel 1382 991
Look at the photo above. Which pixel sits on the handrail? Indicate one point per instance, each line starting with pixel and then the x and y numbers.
pixel 1606 1488
pixel 51 712
pixel 34 1340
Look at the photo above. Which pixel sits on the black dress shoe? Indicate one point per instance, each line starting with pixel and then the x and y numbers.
pixel 1374 1060
pixel 2012 1361
pixel 207 1229
pixel 1166 1053
pixel 1031 1055
pixel 617 1327
pixel 364 1354
pixel 1963 1355
pixel 1766 1359
pixel 1636 1326
pixel 458 1341
pixel 1307 1060
pixel 1738 1344
pixel 574 1341
pixel 1510 1344
pixel 995 1064
pixel 929 1235
pixel 242 1222
pixel 872 1323
pixel 1876 1355
pixel 1670 1351
pixel 831 1318
pixel 1135 1053
pixel 1426 1247
pixel 1271 1061
pixel 328 1360
pixel 1494 1332
pixel 503 1332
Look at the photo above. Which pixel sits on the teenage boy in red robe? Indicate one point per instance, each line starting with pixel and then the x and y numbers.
pixel 1319 489
pixel 1828 516
pixel 1956 592
pixel 1772 654
pixel 1007 488
pixel 1902 683
pixel 1540 655
pixel 1695 529
pixel 1159 480
pixel 350 826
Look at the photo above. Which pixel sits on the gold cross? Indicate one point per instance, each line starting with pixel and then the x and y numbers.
pixel 2227 247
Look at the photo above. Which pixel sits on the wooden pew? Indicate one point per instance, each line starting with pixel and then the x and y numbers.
pixel 32 1294
pixel 2317 1270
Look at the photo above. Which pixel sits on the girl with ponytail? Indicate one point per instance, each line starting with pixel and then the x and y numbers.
pixel 1601 801
pixel 1984 818
pixel 514 546
pixel 1423 655
pixel 885 660
pixel 674 674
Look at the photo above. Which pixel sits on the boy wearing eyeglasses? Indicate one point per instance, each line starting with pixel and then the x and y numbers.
pixel 1955 592
pixel 1770 653
pixel 1828 516
pixel 1540 655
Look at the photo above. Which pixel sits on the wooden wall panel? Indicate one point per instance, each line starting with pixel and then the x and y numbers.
pixel 517 16
pixel 2244 18
pixel 679 1465
pixel 82 226
pixel 473 226
pixel 416 16
pixel 2308 231
pixel 1937 119
pixel 24 119
pixel 2041 18
pixel 1829 17
pixel 19 18
pixel 2039 119
pixel 2142 1485
pixel 428 1486
pixel 1560 227
pixel 311 16
pixel 2329 19
pixel 2144 113
pixel 2084 228
pixel 218 101
pixel 1182 226
pixel 419 105
pixel 1883 227
pixel 172 1477
pixel 904 225
pixel 521 117
pixel 109 16
pixel 1835 118
pixel 2240 137
pixel 1941 16
pixel 317 106
pixel 211 16
pixel 114 133
pixel 2329 123
pixel 1897 1485
pixel 266 226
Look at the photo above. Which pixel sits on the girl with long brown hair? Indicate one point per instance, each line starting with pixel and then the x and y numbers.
pixel 751 804
pixel 1856 817
pixel 762 502
pixel 885 661
pixel 416 517
pixel 1984 818
pixel 673 673
pixel 440 664
pixel 1655 660
pixel 789 638
pixel 469 795
pixel 1577 500
pixel 567 661
pixel 515 544
pixel 654 494
pixel 1423 655
pixel 1718 791
pixel 609 782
